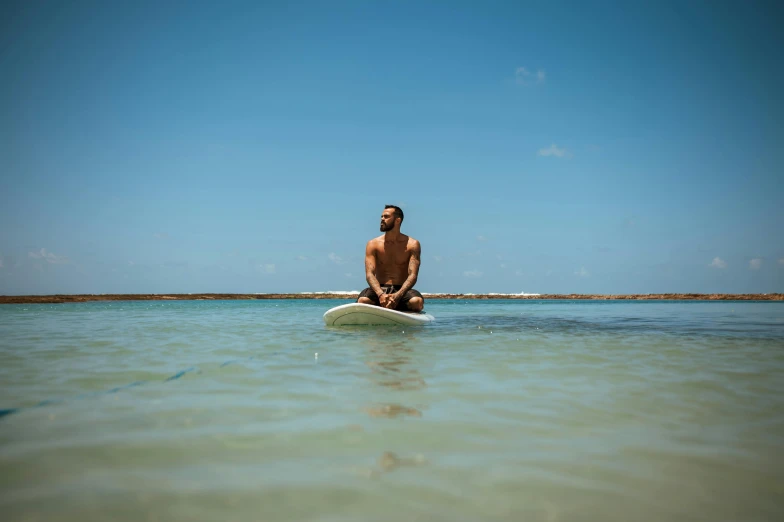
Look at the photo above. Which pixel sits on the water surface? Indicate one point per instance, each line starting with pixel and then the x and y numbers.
pixel 501 410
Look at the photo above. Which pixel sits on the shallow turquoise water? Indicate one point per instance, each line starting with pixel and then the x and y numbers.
pixel 501 410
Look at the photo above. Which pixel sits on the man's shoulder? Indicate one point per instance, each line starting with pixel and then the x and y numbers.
pixel 412 242
pixel 375 242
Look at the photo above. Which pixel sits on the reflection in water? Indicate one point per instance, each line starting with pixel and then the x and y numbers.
pixel 389 461
pixel 392 411
pixel 391 365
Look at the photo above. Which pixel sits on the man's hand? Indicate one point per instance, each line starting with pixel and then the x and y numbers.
pixel 383 299
pixel 392 300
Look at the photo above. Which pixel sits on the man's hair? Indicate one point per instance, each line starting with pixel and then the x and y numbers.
pixel 398 212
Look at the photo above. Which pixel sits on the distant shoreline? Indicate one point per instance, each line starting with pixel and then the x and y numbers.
pixel 80 298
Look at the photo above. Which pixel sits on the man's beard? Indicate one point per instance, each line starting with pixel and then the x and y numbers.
pixel 384 228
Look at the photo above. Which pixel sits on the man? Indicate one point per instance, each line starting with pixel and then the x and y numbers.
pixel 392 266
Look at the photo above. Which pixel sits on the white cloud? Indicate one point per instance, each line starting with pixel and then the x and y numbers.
pixel 755 263
pixel 553 150
pixel 268 268
pixel 525 77
pixel 472 273
pixel 481 238
pixel 347 275
pixel 161 235
pixel 502 265
pixel 582 272
pixel 718 263
pixel 518 272
pixel 48 256
pixel 302 258
pixel 335 258
pixel 437 259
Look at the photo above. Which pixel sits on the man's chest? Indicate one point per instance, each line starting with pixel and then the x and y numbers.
pixel 393 254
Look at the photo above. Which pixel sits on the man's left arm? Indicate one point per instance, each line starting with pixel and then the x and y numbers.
pixel 413 272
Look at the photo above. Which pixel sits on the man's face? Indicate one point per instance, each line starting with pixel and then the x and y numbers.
pixel 387 219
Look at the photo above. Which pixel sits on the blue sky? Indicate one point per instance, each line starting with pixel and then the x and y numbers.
pixel 251 146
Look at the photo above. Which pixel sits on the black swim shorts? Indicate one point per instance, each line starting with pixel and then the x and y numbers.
pixel 402 304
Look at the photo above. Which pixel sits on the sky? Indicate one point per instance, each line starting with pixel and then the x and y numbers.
pixel 538 147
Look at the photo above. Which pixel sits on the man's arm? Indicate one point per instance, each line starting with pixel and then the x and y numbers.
pixel 370 269
pixel 413 273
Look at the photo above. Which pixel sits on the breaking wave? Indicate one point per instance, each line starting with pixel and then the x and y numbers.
pixel 341 292
pixel 489 293
pixel 344 292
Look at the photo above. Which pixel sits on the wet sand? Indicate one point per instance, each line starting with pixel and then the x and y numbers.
pixel 80 298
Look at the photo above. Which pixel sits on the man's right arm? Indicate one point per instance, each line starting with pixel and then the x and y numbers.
pixel 370 269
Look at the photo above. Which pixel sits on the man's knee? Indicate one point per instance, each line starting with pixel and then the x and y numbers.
pixel 365 300
pixel 415 304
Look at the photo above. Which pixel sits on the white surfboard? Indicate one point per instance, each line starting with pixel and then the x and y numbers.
pixel 365 314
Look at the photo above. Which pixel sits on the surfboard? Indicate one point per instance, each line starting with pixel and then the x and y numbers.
pixel 365 314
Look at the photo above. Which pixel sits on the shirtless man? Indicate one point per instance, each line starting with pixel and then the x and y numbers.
pixel 392 266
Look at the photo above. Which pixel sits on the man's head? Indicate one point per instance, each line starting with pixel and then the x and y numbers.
pixel 390 216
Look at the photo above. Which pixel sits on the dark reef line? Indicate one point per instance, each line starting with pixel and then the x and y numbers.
pixel 80 298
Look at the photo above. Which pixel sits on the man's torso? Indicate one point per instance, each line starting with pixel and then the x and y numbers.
pixel 392 259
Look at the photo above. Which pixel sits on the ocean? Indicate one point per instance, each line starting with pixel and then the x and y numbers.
pixel 500 410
